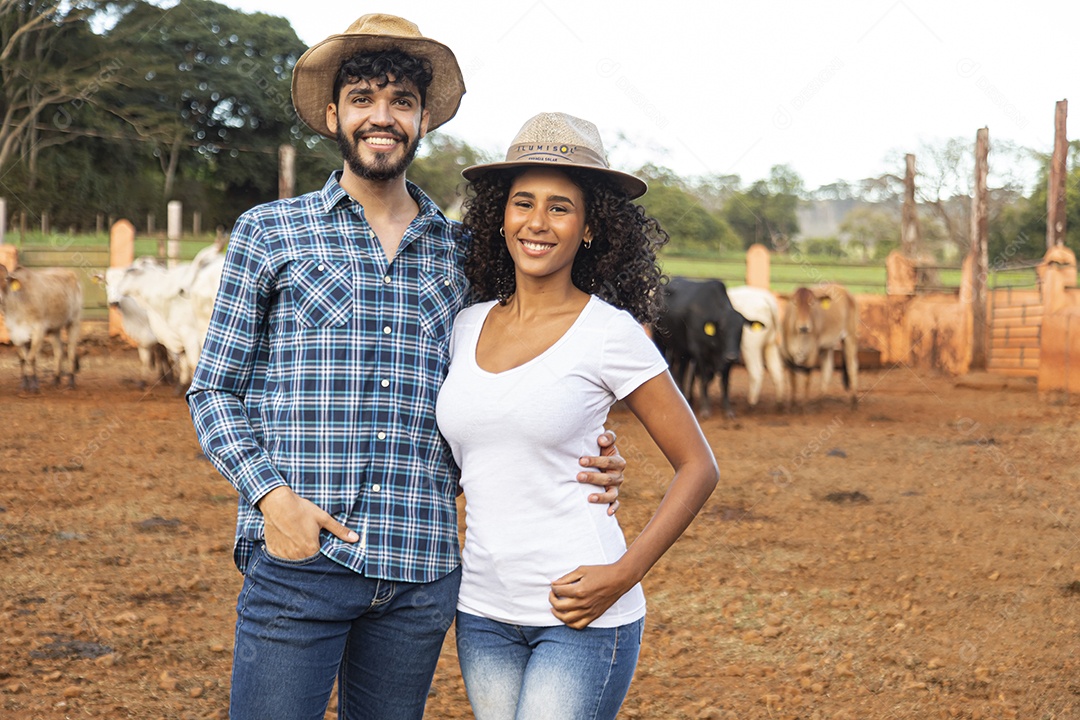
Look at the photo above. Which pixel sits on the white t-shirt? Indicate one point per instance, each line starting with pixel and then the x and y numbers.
pixel 517 436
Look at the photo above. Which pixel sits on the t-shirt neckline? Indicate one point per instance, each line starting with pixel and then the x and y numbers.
pixel 593 299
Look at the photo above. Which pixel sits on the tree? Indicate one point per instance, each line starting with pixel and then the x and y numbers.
pixel 681 214
pixel 765 213
pixel 48 56
pixel 943 184
pixel 1019 232
pixel 437 169
pixel 868 227
pixel 207 82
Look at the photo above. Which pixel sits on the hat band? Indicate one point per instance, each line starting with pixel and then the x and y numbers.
pixel 555 153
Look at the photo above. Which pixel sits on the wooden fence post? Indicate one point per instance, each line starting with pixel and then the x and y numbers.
pixel 196 223
pixel 174 230
pixel 1055 195
pixel 286 171
pixel 980 265
pixel 757 266
pixel 121 255
pixel 910 232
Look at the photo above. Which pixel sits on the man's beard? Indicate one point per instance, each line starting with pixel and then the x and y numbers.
pixel 382 169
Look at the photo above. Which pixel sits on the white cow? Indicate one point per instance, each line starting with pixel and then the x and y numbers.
pixel 38 304
pixel 200 285
pixel 177 302
pixel 760 345
pixel 153 356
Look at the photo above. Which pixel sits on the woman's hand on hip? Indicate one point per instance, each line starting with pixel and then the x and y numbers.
pixel 581 596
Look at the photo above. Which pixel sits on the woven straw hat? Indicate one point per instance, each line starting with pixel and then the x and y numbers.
pixel 314 73
pixel 563 141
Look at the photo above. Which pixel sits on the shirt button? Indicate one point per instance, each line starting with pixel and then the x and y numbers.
pixel 376 487
pixel 321 267
pixel 386 330
pixel 381 435
pixel 386 279
pixel 385 383
pixel 446 282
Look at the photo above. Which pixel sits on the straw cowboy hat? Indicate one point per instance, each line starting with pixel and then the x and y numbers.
pixel 563 141
pixel 314 73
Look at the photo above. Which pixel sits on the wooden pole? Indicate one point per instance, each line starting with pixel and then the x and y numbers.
pixel 3 219
pixel 121 255
pixel 980 265
pixel 196 223
pixel 1055 195
pixel 286 171
pixel 174 229
pixel 910 232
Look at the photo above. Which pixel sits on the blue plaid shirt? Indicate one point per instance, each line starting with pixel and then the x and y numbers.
pixel 320 372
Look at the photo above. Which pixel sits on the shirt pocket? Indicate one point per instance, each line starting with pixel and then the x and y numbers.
pixel 322 293
pixel 441 296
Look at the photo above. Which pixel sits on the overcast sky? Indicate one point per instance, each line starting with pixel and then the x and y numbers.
pixel 834 89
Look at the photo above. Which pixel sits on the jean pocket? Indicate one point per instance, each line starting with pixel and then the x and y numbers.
pixel 286 561
pixel 322 293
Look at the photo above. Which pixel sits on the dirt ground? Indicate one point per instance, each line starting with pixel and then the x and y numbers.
pixel 918 557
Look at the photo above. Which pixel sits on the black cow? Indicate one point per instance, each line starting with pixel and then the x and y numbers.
pixel 699 334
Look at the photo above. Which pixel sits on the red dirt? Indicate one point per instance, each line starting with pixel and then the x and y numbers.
pixel 916 558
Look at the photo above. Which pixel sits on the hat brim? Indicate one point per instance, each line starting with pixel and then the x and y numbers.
pixel 314 73
pixel 634 187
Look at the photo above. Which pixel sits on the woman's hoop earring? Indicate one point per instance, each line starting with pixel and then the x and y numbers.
pixel 502 232
pixel 588 244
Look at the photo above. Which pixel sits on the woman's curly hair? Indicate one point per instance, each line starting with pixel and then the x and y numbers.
pixel 620 267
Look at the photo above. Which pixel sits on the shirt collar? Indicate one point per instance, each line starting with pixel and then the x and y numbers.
pixel 332 193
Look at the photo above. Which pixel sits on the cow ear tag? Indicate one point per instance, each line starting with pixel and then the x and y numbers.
pixel 825 303
pixel 757 326
pixel 710 329
pixel 15 285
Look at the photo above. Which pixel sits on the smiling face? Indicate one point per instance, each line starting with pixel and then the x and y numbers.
pixel 544 223
pixel 378 129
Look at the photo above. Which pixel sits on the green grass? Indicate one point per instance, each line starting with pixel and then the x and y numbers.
pixel 61 249
pixel 786 273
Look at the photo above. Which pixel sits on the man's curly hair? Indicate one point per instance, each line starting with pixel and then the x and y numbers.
pixel 620 267
pixel 377 67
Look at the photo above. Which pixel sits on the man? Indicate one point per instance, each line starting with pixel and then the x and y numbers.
pixel 315 397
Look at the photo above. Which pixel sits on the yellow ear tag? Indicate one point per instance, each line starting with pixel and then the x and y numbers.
pixel 15 285
pixel 710 329
pixel 825 303
pixel 757 326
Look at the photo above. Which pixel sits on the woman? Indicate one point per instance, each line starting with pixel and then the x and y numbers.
pixel 551 612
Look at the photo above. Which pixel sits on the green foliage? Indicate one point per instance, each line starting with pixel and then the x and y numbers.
pixel 829 247
pixel 690 226
pixel 1019 232
pixel 867 227
pixel 765 213
pixel 437 169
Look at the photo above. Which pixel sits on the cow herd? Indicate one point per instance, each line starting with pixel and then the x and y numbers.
pixel 706 328
pixel 165 311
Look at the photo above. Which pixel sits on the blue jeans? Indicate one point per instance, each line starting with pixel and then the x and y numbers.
pixel 521 672
pixel 301 623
